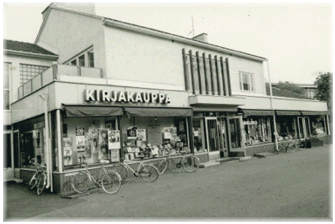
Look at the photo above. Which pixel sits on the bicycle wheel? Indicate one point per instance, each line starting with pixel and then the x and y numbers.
pixel 33 181
pixel 149 173
pixel 41 184
pixel 281 147
pixel 111 182
pixel 291 147
pixel 81 182
pixel 122 170
pixel 190 163
pixel 162 166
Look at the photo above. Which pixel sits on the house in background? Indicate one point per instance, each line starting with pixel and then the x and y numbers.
pixel 148 90
pixel 21 63
pixel 309 90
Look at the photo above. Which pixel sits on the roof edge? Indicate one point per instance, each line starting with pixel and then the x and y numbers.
pixel 30 54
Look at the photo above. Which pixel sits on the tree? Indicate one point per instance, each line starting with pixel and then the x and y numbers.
pixel 323 87
pixel 290 87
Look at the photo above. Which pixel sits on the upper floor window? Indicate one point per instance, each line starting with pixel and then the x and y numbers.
pixel 28 72
pixel 246 81
pixel 7 68
pixel 83 59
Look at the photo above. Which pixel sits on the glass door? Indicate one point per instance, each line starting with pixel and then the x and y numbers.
pixel 212 134
pixel 223 137
pixel 236 141
pixel 7 156
pixel 304 127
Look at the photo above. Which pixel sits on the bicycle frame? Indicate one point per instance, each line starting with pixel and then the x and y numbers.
pixel 102 173
pixel 133 171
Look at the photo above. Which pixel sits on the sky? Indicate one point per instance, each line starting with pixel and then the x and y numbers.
pixel 296 38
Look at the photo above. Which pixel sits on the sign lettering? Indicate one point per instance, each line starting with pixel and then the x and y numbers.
pixel 126 97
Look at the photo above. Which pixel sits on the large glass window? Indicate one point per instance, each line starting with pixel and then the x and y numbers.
pixel 257 130
pixel 32 148
pixel 90 140
pixel 148 137
pixel 28 72
pixel 246 81
pixel 7 67
pixel 318 125
pixel 286 127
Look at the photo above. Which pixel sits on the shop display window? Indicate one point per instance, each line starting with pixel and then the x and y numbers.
pixel 257 130
pixel 90 140
pixel 318 126
pixel 286 128
pixel 147 137
pixel 32 148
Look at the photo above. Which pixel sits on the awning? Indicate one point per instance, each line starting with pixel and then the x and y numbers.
pixel 158 112
pixel 257 112
pixel 314 113
pixel 288 113
pixel 92 111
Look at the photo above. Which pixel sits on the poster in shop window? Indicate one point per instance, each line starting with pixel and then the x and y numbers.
pixel 68 160
pixel 103 144
pixel 80 140
pixel 131 133
pixel 113 139
pixel 67 146
pixel 80 131
pixel 141 134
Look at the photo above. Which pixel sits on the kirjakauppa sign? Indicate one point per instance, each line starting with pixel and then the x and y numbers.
pixel 125 96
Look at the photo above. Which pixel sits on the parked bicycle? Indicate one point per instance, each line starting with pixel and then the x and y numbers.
pixel 39 179
pixel 292 146
pixel 188 161
pixel 109 180
pixel 148 173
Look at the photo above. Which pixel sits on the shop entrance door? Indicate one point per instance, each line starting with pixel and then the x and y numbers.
pixel 8 172
pixel 304 127
pixel 212 137
pixel 223 136
pixel 236 141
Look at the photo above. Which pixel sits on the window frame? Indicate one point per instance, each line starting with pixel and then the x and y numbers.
pixel 250 80
pixel 9 85
pixel 29 68
pixel 76 59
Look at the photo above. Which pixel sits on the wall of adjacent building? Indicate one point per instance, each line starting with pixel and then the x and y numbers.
pixel 15 77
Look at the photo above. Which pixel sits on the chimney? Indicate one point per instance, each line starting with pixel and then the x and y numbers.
pixel 201 37
pixel 86 7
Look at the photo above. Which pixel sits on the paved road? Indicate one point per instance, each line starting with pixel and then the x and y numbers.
pixel 280 187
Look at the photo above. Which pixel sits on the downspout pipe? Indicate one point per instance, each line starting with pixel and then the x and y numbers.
pixel 48 160
pixel 272 108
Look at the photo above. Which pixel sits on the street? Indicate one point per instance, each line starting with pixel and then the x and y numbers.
pixel 280 187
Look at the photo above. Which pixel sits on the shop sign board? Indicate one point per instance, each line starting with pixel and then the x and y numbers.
pixel 125 96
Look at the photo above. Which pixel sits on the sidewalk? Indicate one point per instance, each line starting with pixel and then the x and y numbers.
pixel 20 203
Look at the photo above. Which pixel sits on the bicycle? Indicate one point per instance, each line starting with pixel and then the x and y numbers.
pixel 148 173
pixel 109 181
pixel 290 146
pixel 39 179
pixel 188 161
